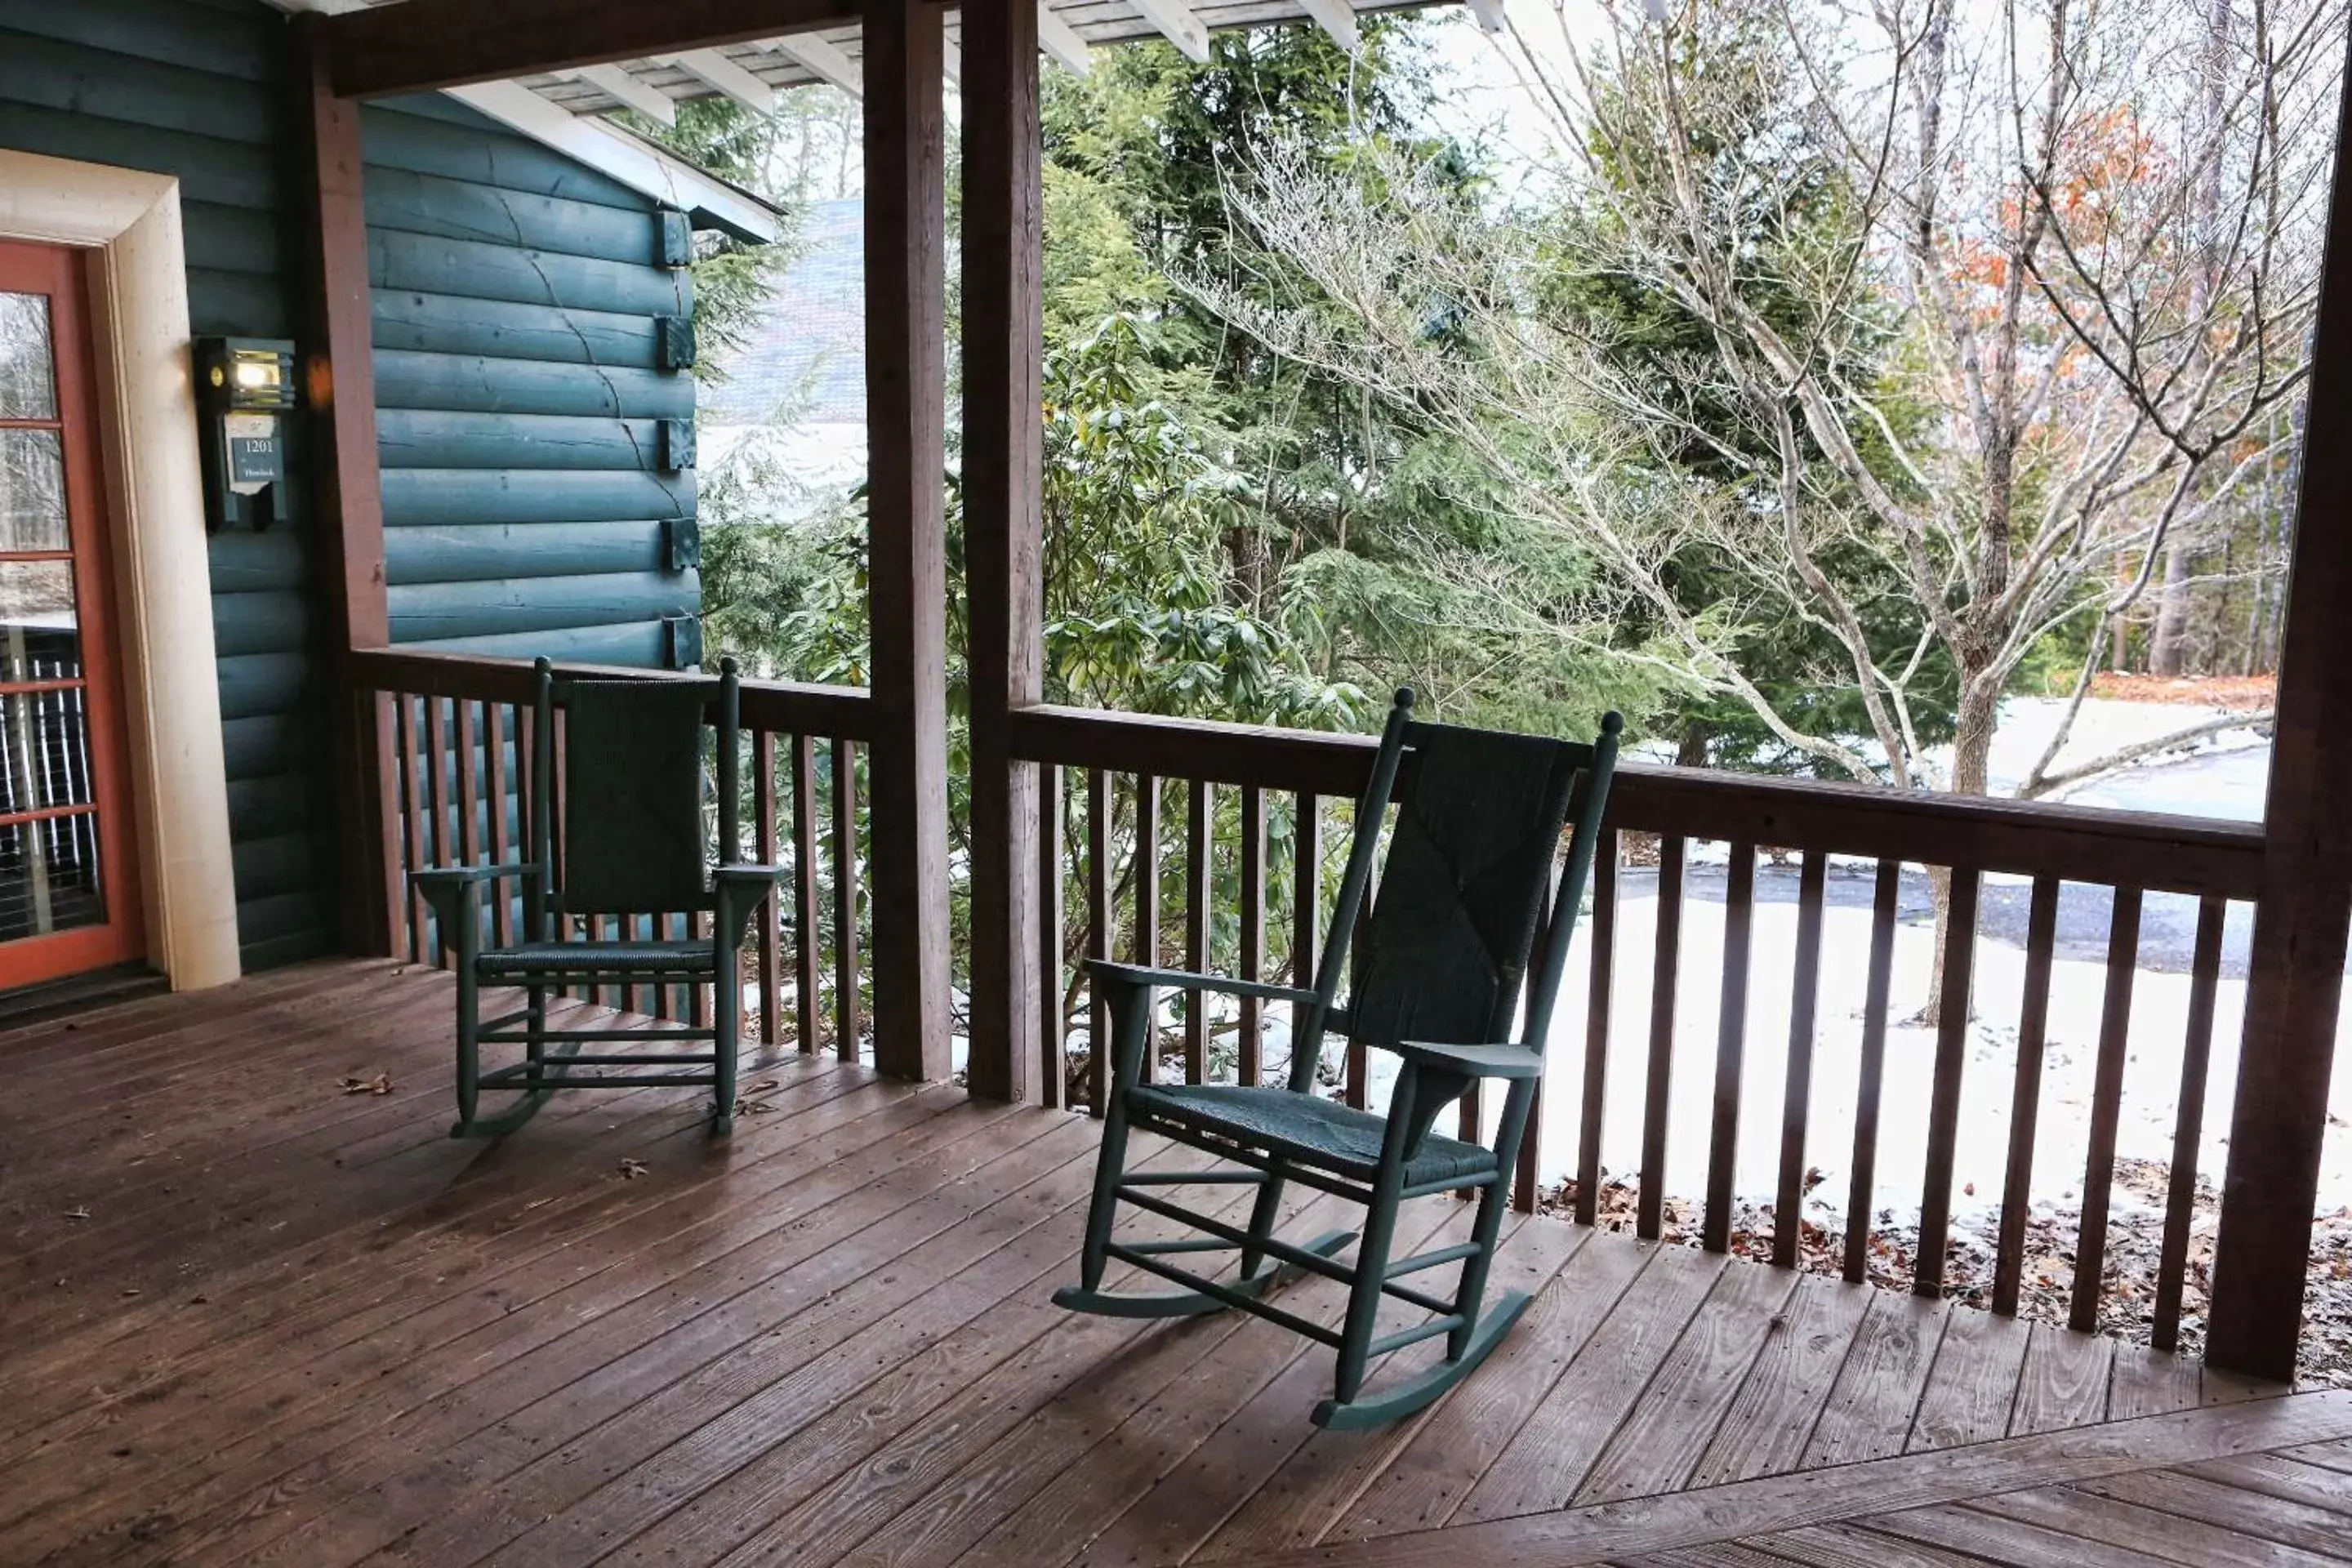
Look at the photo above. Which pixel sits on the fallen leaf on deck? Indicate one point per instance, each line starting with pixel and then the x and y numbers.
pixel 380 1084
pixel 632 1169
pixel 79 1211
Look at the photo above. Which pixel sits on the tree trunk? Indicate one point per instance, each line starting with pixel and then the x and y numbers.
pixel 1978 716
pixel 1690 752
pixel 2168 647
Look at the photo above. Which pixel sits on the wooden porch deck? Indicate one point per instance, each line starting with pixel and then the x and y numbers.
pixel 248 1316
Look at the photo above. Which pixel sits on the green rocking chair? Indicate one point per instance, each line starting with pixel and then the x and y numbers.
pixel 1479 823
pixel 634 839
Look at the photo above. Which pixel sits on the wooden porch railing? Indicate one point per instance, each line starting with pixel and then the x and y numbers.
pixel 460 731
pixel 1130 778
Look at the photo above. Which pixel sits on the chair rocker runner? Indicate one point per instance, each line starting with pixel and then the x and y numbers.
pixel 633 840
pixel 1461 895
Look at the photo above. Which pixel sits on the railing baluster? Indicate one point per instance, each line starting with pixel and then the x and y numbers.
pixel 1730 1047
pixel 694 925
pixel 1196 925
pixel 1355 1083
pixel 469 798
pixel 1943 1101
pixel 2188 1123
pixel 1871 1071
pixel 501 893
pixel 1797 1086
pixel 1649 1219
pixel 2107 1110
pixel 771 916
pixel 1530 1165
pixel 1251 1044
pixel 1306 913
pixel 1146 936
pixel 411 817
pixel 808 933
pixel 1596 1028
pixel 2026 1095
pixel 1053 1079
pixel 657 929
pixel 846 1024
pixel 436 790
pixel 1097 936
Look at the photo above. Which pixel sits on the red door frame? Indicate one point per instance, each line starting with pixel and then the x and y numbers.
pixel 62 275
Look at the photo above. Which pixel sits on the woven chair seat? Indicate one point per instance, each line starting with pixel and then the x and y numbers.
pixel 600 958
pixel 1315 1132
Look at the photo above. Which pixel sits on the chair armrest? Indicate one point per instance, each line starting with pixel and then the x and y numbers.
pixel 1505 1062
pixel 436 876
pixel 1183 980
pixel 740 892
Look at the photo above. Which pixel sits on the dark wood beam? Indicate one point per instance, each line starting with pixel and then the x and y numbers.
pixel 2295 975
pixel 906 403
pixel 423 43
pixel 1004 455
pixel 347 500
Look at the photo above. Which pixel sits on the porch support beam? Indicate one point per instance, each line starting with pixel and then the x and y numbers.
pixel 423 43
pixel 906 242
pixel 2301 923
pixel 339 385
pixel 1003 454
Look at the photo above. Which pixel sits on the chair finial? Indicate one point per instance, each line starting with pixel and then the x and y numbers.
pixel 542 664
pixel 1611 721
pixel 727 666
pixel 1404 697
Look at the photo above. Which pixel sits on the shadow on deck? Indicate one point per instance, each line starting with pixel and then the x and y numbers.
pixel 251 1317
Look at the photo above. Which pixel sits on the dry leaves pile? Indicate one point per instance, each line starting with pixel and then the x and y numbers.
pixel 2046 1280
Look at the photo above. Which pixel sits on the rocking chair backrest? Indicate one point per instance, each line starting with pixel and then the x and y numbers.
pixel 633 830
pixel 1461 895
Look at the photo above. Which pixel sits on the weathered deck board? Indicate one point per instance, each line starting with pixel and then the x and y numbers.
pixel 305 1328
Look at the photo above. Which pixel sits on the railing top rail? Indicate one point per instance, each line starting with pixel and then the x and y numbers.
pixel 2140 849
pixel 782 706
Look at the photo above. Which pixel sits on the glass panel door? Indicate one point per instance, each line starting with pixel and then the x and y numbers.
pixel 65 903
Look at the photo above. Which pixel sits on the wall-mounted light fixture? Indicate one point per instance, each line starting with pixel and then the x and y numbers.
pixel 243 385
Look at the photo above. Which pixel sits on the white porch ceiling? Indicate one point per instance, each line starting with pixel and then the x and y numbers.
pixel 1067 28
pixel 565 109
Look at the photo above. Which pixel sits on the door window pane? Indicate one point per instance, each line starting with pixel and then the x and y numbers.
pixel 38 636
pixel 32 492
pixel 44 750
pixel 49 875
pixel 27 372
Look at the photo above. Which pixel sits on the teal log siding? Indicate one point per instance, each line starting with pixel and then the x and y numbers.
pixel 528 371
pixel 534 427
pixel 198 89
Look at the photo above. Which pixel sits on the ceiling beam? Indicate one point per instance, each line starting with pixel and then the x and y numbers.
pixel 825 59
pixel 426 44
pixel 1337 17
pixel 616 83
pixel 1061 40
pixel 715 69
pixel 1178 26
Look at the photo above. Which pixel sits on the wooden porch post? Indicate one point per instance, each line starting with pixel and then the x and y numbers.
pixel 1003 349
pixel 339 390
pixel 2301 922
pixel 906 235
